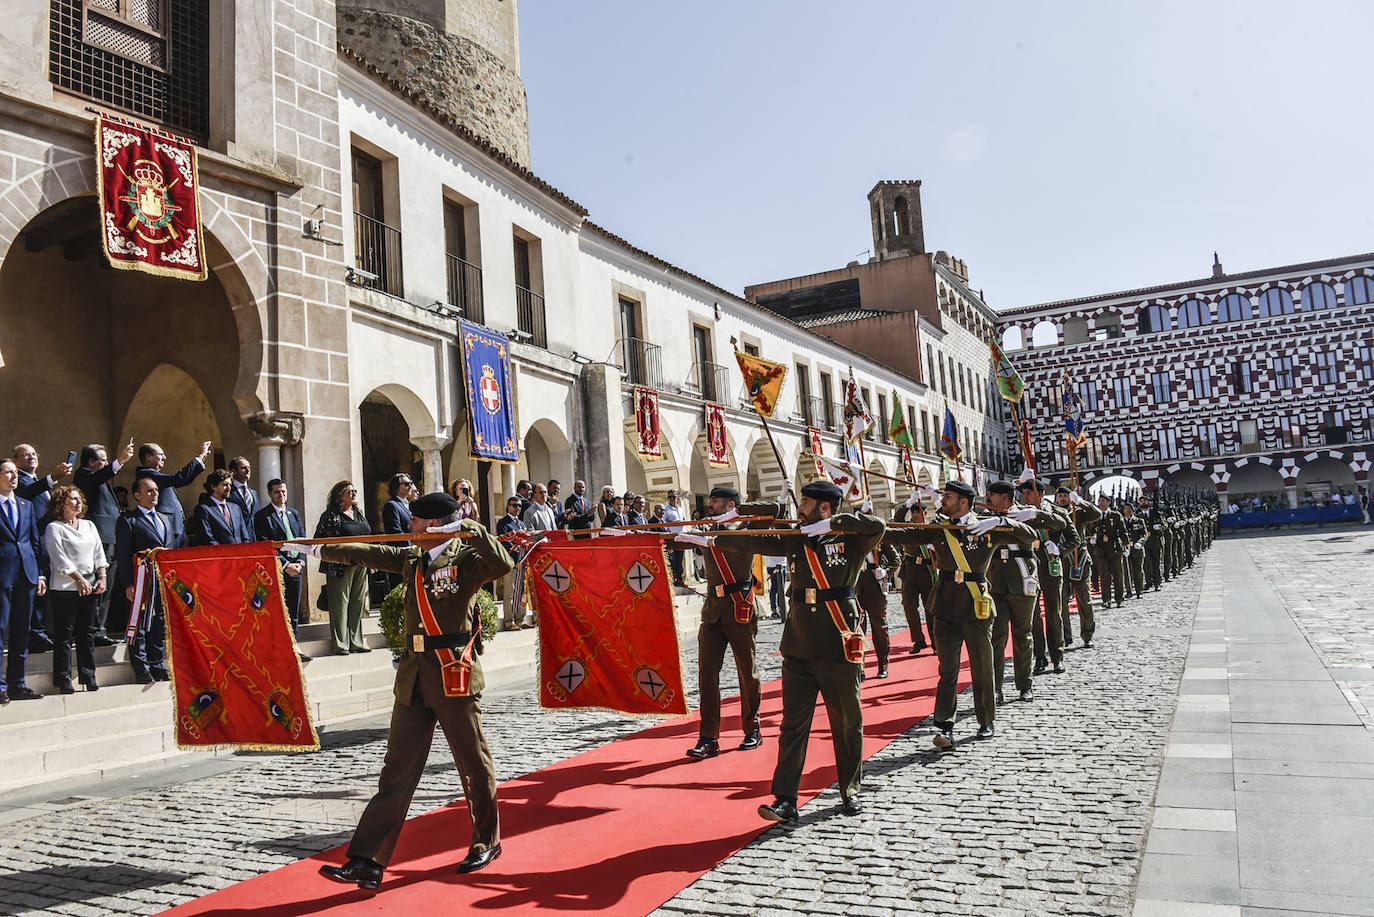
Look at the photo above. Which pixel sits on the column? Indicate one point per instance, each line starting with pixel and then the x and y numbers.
pixel 431 447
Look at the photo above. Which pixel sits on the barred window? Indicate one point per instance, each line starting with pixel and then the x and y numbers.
pixel 1359 291
pixel 1275 301
pixel 1283 372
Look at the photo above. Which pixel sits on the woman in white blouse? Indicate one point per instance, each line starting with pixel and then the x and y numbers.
pixel 76 559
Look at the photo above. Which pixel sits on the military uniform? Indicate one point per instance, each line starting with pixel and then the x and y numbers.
pixel 1154 548
pixel 452 579
pixel 918 581
pixel 1086 516
pixel 1108 542
pixel 1014 584
pixel 1059 533
pixel 871 593
pixel 1136 533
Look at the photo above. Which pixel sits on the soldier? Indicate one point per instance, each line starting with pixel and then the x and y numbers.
pixel 1084 517
pixel 1154 543
pixel 1015 587
pixel 1048 634
pixel 1109 539
pixel 963 609
pixel 917 583
pixel 1136 533
pixel 871 594
pixel 730 618
pixel 439 680
pixel 822 649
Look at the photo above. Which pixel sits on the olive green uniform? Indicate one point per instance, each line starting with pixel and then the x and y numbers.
pixel 1055 529
pixel 871 593
pixel 1085 517
pixel 918 581
pixel 1015 588
pixel 468 564
pixel 1108 544
pixel 1136 533
pixel 1154 549
pixel 813 657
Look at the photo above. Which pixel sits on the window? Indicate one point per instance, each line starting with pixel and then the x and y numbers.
pixel 1359 291
pixel 868 405
pixel 944 390
pixel 1234 308
pixel 1242 377
pixel 751 349
pixel 640 359
pixel 1152 319
pixel 1125 447
pixel 1324 362
pixel 1333 427
pixel 1162 387
pixel 925 434
pixel 1283 372
pixel 804 393
pixel 963 385
pixel 827 402
pixel 1193 313
pixel 1366 355
pixel 882 418
pixel 529 304
pixel 711 379
pixel 1289 430
pixel 1318 296
pixel 1168 443
pixel 1088 392
pixel 930 364
pixel 1202 382
pixel 376 245
pixel 1207 439
pixel 464 278
pixel 1275 301
pixel 1249 436
pixel 1123 392
pixel 901 219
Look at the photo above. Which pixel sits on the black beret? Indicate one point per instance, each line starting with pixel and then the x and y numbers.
pixel 1001 487
pixel 725 493
pixel 962 489
pixel 1036 484
pixel 434 506
pixel 826 491
pixel 1063 490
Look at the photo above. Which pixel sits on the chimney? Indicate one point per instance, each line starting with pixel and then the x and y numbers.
pixel 1216 266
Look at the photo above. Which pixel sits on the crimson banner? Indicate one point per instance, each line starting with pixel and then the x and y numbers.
pixel 236 678
pixel 646 422
pixel 817 449
pixel 717 448
pixel 148 184
pixel 607 635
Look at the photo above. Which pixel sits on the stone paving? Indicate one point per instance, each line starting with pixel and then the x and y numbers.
pixel 1048 818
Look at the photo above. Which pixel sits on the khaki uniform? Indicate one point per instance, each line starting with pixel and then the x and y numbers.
pixel 870 592
pixel 956 622
pixel 813 654
pixel 1086 517
pixel 1015 588
pixel 1154 549
pixel 1109 544
pixel 1052 527
pixel 1136 533
pixel 463 567
pixel 719 629
pixel 918 581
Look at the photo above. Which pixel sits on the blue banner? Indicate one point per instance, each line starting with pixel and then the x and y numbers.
pixel 491 398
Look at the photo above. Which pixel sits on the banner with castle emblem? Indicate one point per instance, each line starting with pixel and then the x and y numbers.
pixel 717 446
pixel 491 396
pixel 148 186
pixel 607 635
pixel 236 679
pixel 646 422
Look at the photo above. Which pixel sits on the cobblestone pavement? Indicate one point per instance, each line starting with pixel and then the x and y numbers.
pixel 1322 578
pixel 1048 818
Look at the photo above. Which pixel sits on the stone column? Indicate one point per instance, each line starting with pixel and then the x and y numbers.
pixel 1292 491
pixel 430 446
pixel 271 431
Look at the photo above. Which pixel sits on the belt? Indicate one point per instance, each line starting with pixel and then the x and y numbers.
pixel 423 643
pixel 1021 553
pixel 734 588
pixel 959 576
pixel 814 596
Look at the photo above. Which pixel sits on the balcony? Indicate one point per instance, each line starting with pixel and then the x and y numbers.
pixel 813 412
pixel 709 380
pixel 640 362
pixel 377 250
pixel 529 316
pixel 465 288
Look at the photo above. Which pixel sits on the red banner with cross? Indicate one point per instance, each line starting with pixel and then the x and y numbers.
pixel 148 185
pixel 236 678
pixel 607 634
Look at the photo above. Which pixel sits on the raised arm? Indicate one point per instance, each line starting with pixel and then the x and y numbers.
pixel 374 556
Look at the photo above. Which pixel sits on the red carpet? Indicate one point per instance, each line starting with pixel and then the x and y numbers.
pixel 619 829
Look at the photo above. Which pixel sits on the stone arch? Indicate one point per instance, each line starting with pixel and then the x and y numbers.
pixel 645 475
pixel 170 408
pixel 703 477
pixel 764 476
pixel 1045 334
pixel 1106 324
pixel 1254 479
pixel 546 454
pixel 1075 330
pixel 880 489
pixel 1192 475
pixel 1013 338
pixel 1322 473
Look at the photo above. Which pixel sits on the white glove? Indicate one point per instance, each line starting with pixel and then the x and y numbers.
pixel 1052 549
pixel 817 528
pixel 787 488
pixel 914 500
pixel 880 574
pixel 1158 527
pixel 985 525
pixel 446 528
pixel 312 549
pixel 731 513
pixel 1026 475
pixel 1140 545
pixel 1075 498
pixel 1022 515
pixel 867 507
pixel 612 532
pixel 929 491
pixel 700 541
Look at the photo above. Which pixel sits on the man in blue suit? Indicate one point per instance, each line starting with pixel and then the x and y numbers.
pixel 396 515
pixel 20 579
pixel 279 522
pixel 141 529
pixel 102 507
pixel 216 520
pixel 151 460
pixel 37 491
pixel 240 491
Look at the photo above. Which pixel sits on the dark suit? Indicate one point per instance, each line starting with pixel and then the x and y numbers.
pixel 267 526
pixel 395 520
pixel 167 484
pixel 136 532
pixel 246 501
pixel 20 568
pixel 37 491
pixel 208 526
pixel 578 513
pixel 102 508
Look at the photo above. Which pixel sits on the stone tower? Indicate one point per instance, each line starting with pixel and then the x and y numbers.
pixel 895 208
pixel 462 56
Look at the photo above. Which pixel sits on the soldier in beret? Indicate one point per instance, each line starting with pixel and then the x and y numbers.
pixel 1077 581
pixel 1014 584
pixel 442 582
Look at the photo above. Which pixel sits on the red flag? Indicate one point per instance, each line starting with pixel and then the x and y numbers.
pixel 717 449
pixel 607 635
pixel 236 678
pixel 813 437
pixel 646 422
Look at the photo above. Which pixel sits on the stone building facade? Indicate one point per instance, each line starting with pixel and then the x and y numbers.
pixel 1256 384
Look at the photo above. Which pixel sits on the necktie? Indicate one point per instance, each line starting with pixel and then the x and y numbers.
pixel 286 526
pixel 224 508
pixel 10 515
pixel 158 526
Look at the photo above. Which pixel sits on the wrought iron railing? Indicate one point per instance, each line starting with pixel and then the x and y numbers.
pixel 640 362
pixel 710 380
pixel 377 250
pixel 529 315
pixel 465 287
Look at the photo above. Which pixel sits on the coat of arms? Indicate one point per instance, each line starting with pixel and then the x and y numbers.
pixel 491 391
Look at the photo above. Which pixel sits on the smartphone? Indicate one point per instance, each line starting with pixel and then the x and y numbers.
pixel 71 458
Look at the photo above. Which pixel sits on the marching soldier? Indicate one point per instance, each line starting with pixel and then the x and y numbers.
pixel 1136 533
pixel 871 594
pixel 1048 634
pixel 1154 543
pixel 1015 587
pixel 918 581
pixel 822 648
pixel 963 608
pixel 439 680
pixel 729 618
pixel 1109 538
pixel 1076 582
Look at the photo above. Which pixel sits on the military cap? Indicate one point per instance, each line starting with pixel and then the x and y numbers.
pixel 1063 490
pixel 962 489
pixel 437 505
pixel 826 491
pixel 725 493
pixel 1001 487
pixel 1035 484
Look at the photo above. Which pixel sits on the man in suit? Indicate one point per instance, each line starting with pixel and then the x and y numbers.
pixel 511 522
pixel 578 514
pixel 37 490
pixel 141 529
pixel 216 520
pixel 21 578
pixel 441 617
pixel 559 516
pixel 93 478
pixel 151 460
pixel 279 522
pixel 396 514
pixel 240 470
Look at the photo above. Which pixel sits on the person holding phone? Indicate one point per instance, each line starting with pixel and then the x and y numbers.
pixel 151 460
pixel 461 490
pixel 102 508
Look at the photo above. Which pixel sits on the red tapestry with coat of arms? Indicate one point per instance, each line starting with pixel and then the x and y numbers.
pixel 717 445
pixel 148 184
pixel 236 678
pixel 607 635
pixel 646 422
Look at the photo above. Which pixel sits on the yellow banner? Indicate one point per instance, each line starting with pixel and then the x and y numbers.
pixel 763 379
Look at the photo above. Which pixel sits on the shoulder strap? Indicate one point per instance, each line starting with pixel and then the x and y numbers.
pixel 962 563
pixel 456 671
pixel 850 637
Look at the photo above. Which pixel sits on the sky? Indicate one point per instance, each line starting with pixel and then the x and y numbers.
pixel 1064 148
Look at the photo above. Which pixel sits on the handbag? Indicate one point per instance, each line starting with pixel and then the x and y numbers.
pixel 322 600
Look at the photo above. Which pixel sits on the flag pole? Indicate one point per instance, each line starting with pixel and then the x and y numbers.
pixel 768 431
pixel 863 464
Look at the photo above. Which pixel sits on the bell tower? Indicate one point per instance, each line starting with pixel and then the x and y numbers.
pixel 895 209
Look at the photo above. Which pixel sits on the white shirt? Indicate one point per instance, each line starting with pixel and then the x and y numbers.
pixel 438 549
pixel 73 550
pixel 540 517
pixel 672 513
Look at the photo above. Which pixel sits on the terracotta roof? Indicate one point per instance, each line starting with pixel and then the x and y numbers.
pixel 845 315
pixel 463 131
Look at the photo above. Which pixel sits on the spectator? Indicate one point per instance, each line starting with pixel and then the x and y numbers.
pixel 511 522
pixel 37 490
pixel 1363 503
pixel 673 513
pixel 539 515
pixel 524 490
pixel 578 513
pixel 21 580
pixel 657 517
pixel 279 522
pixel 215 520
pixel 77 559
pixel 240 470
pixel 637 505
pixel 145 528
pixel 93 477
pixel 461 490
pixel 606 506
pixel 151 460
pixel 616 518
pixel 345 584
pixel 122 497
pixel 554 486
pixel 396 515
pixel 777 585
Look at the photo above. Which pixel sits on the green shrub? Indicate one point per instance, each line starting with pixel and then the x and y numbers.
pixel 392 617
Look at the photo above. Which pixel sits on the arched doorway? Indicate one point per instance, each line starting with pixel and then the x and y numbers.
pixel 546 455
pixel 764 478
pixel 650 477
pixel 1321 477
pixel 171 405
pixel 1192 479
pixel 1256 486
pixel 703 477
pixel 880 489
pixel 386 450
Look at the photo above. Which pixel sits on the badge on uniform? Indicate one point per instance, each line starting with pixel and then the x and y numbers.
pixel 834 553
pixel 444 580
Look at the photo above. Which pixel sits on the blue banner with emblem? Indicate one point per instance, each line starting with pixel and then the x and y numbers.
pixel 491 397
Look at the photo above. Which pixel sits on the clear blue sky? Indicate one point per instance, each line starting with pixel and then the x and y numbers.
pixel 1065 148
